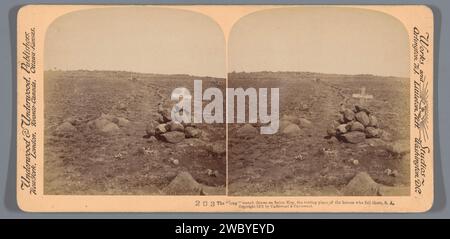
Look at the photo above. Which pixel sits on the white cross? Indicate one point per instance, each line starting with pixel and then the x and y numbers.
pixel 362 96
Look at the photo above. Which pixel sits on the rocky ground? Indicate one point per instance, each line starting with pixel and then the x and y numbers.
pixel 109 133
pixel 329 143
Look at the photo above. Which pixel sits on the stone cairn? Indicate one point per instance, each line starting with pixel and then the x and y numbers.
pixel 165 129
pixel 354 126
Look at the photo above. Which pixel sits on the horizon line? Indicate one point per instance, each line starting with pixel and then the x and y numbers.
pixel 235 72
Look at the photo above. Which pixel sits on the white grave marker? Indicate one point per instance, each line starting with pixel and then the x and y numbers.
pixel 362 96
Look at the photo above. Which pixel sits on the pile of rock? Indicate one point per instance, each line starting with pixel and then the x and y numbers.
pixel 354 126
pixel 171 131
pixel 363 185
pixel 66 129
pixel 107 123
pixel 69 127
pixel 185 184
pixel 247 131
pixel 289 125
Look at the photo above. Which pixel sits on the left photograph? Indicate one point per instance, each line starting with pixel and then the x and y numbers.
pixel 109 79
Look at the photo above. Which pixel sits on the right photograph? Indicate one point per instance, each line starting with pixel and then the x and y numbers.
pixel 342 74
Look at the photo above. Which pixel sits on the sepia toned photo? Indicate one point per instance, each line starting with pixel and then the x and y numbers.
pixel 343 82
pixel 239 108
pixel 108 126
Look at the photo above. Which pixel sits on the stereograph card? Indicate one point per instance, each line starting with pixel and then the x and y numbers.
pixel 249 108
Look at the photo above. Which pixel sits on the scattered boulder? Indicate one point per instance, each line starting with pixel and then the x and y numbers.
pixel 161 129
pixel 160 107
pixel 175 126
pixel 185 124
pixel 357 126
pixel 400 147
pixel 375 142
pixel 331 130
pixel 284 124
pixel 121 122
pixel 354 137
pixel 160 119
pixel 217 148
pixel 304 122
pixel 406 156
pixel 247 131
pixel 166 116
pixel 304 107
pixel 104 124
pixel 173 137
pixel 299 157
pixel 150 128
pixel 333 140
pixel 341 119
pixel 372 132
pixel 361 185
pixel 359 108
pixel 373 121
pixel 349 115
pixel 174 161
pixel 388 171
pixel 342 129
pixel 65 129
pixel 292 130
pixel 386 136
pixel 183 184
pixel 212 173
pixel 152 139
pixel 74 120
pixel 392 173
pixel 191 132
pixel 109 128
pixel 122 106
pixel 106 116
pixel 100 123
pixel 194 142
pixel 119 156
pixel 363 118
pixel 289 118
pixel 395 173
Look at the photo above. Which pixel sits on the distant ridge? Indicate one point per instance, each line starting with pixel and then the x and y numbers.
pixel 131 73
pixel 304 74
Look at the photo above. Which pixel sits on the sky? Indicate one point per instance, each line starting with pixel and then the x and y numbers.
pixel 139 39
pixel 326 40
pixel 169 41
